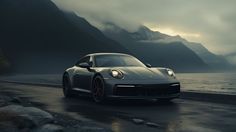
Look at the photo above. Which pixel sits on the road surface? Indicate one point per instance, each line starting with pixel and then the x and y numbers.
pixel 121 116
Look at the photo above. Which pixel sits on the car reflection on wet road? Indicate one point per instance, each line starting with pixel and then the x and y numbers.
pixel 120 116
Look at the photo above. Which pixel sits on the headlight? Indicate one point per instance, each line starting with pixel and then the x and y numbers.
pixel 116 74
pixel 170 72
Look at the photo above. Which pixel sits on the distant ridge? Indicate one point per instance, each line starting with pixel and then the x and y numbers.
pixel 38 37
pixel 143 43
pixel 216 62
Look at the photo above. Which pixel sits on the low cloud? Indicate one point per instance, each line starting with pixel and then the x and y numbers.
pixel 232 59
pixel 214 21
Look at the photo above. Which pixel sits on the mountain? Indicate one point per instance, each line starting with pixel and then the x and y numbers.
pixel 231 58
pixel 216 62
pixel 38 37
pixel 145 44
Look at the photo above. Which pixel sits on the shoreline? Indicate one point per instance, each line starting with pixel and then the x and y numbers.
pixel 209 97
pixel 190 95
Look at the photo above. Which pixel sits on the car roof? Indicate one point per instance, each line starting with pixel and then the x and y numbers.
pixel 96 54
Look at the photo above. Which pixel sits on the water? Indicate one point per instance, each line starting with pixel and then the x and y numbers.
pixel 201 82
pixel 209 82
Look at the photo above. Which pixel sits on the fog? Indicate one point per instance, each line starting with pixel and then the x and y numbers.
pixel 210 22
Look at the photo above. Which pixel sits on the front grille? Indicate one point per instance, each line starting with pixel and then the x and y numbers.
pixel 147 90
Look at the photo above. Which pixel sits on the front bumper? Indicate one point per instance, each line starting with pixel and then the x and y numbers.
pixel 143 90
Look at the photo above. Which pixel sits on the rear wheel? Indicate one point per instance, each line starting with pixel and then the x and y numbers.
pixel 67 90
pixel 98 91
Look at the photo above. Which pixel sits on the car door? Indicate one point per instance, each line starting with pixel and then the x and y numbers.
pixel 83 76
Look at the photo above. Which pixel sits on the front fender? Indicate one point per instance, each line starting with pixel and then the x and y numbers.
pixel 70 72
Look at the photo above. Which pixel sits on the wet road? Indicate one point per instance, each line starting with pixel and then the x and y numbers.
pixel 180 115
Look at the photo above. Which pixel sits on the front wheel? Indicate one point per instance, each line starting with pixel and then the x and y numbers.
pixel 98 91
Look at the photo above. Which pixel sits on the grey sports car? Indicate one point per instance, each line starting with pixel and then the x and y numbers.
pixel 116 75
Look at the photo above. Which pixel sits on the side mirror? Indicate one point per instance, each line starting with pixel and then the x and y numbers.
pixel 84 65
pixel 148 65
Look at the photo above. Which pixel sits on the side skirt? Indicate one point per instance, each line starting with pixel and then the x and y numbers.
pixel 81 90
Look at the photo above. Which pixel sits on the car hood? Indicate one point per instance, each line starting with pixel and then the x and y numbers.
pixel 141 73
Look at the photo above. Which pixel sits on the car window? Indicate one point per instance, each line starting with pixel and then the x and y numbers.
pixel 117 61
pixel 84 59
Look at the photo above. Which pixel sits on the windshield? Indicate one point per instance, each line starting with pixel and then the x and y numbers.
pixel 117 61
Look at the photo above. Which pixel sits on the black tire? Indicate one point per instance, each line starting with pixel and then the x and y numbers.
pixel 67 89
pixel 98 90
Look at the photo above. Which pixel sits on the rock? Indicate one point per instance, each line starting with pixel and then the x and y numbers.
pixel 28 116
pixel 91 129
pixel 23 122
pixel 7 127
pixel 151 124
pixel 4 100
pixel 16 100
pixel 49 128
pixel 138 121
pixel 10 121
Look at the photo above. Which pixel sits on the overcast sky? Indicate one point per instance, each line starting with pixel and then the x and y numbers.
pixel 210 22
